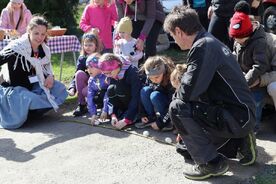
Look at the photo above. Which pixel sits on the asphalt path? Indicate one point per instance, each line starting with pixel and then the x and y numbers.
pixel 59 148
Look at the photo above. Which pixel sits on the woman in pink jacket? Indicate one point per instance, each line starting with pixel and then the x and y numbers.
pixel 15 16
pixel 100 15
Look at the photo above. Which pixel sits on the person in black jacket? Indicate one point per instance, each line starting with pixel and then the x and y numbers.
pixel 201 7
pixel 219 14
pixel 213 105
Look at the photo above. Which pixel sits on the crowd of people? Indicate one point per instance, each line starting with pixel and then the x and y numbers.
pixel 213 101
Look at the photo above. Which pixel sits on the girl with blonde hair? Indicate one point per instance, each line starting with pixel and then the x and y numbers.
pixel 90 45
pixel 16 16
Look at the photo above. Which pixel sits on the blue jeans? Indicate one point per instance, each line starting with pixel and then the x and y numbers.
pixel 259 96
pixel 154 101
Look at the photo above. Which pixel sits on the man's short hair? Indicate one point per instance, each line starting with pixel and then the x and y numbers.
pixel 183 17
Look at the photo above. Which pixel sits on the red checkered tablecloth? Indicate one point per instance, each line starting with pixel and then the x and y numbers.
pixel 57 44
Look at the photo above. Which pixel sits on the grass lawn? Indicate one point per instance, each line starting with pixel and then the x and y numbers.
pixel 68 67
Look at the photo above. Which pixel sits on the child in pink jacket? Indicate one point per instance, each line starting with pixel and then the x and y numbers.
pixel 15 16
pixel 100 15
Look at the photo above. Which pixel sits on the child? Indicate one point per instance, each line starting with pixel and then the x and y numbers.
pixel 175 79
pixel 177 74
pixel 123 91
pixel 100 15
pixel 251 50
pixel 97 85
pixel 147 19
pixel 90 45
pixel 15 16
pixel 157 94
pixel 126 45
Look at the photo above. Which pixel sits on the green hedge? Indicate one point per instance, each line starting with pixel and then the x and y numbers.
pixel 58 12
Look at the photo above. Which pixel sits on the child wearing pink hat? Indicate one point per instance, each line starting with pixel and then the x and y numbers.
pixel 15 16
pixel 123 90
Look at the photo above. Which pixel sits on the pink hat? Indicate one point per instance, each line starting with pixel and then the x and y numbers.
pixel 17 1
pixel 109 65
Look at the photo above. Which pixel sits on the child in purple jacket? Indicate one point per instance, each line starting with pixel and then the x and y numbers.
pixel 97 85
pixel 90 45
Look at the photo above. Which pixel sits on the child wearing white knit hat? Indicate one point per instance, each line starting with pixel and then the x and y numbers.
pixel 125 46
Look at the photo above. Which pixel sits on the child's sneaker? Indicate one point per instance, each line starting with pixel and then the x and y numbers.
pixel 80 110
pixel 71 92
pixel 167 127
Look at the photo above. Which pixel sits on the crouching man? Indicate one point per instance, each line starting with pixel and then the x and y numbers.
pixel 213 106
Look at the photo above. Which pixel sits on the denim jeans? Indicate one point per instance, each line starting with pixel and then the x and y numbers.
pixel 154 101
pixel 259 96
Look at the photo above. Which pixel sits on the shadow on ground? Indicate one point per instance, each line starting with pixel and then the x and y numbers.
pixel 62 128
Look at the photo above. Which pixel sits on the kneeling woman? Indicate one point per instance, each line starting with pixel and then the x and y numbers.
pixel 28 83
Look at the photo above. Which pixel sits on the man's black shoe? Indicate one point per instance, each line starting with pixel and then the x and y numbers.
pixel 248 150
pixel 204 171
pixel 81 110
